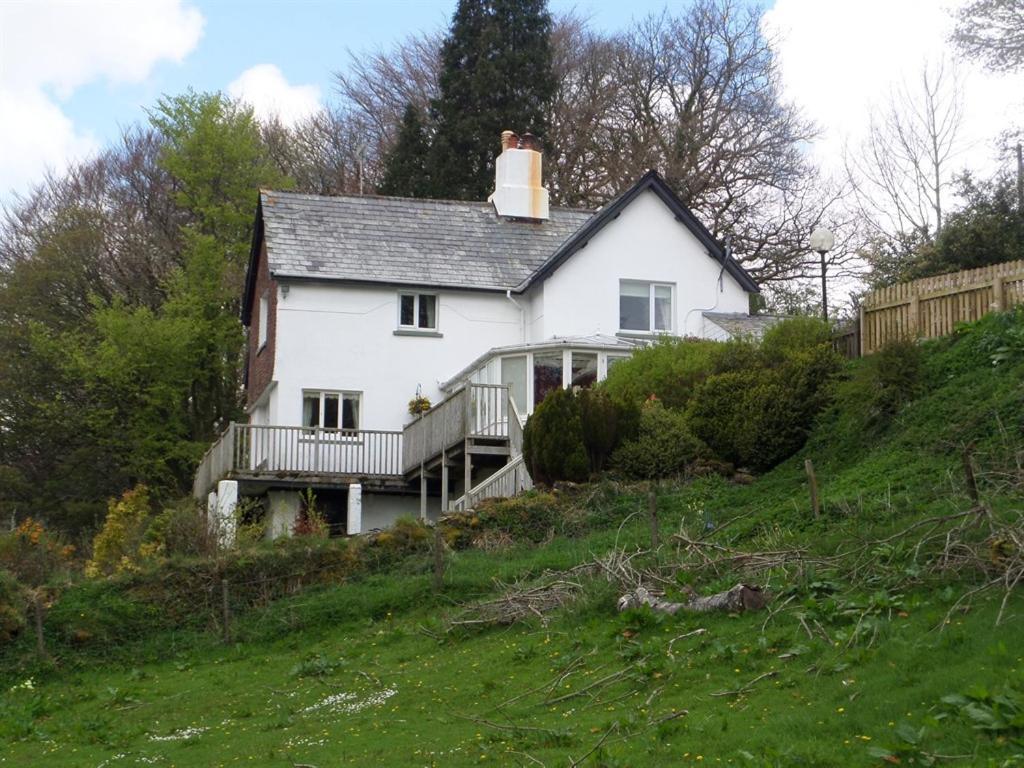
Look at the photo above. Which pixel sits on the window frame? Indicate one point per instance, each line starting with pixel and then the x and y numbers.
pixel 652 311
pixel 263 332
pixel 416 328
pixel 339 431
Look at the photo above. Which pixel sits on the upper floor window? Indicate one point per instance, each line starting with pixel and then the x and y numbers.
pixel 330 410
pixel 417 311
pixel 264 318
pixel 645 307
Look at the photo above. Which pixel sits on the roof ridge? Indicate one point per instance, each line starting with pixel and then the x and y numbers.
pixel 400 198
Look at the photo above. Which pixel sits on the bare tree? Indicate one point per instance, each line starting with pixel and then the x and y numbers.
pixel 902 172
pixel 328 153
pixel 113 217
pixel 992 31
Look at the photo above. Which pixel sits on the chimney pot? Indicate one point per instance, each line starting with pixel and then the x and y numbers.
pixel 529 141
pixel 519 192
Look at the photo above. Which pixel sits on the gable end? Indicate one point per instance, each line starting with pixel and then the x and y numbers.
pixel 651 180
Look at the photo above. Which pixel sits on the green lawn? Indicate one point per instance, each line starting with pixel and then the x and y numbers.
pixel 847 669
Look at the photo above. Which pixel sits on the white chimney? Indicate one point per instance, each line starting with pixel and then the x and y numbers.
pixel 518 190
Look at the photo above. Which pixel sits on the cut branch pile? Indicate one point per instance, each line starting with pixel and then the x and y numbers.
pixel 742 597
pixel 519 602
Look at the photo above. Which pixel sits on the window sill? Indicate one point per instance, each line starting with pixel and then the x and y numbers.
pixel 261 347
pixel 642 334
pixel 416 332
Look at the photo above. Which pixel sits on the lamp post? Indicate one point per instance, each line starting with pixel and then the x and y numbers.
pixel 822 241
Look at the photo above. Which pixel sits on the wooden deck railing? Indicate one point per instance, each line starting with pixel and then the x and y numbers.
pixel 506 482
pixel 474 411
pixel 251 450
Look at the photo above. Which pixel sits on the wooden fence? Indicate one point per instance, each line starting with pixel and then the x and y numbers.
pixel 932 306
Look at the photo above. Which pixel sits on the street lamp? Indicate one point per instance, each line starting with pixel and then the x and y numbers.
pixel 822 241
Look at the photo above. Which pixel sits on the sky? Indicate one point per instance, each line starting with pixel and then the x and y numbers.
pixel 73 73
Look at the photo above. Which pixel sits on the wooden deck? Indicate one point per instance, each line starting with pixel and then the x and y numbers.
pixel 479 419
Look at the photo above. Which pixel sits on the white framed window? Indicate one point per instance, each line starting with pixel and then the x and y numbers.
pixel 417 311
pixel 331 410
pixel 645 307
pixel 264 319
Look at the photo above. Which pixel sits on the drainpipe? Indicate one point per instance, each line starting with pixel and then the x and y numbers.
pixel 719 288
pixel 522 314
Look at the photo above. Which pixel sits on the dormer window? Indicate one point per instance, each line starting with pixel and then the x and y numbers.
pixel 417 312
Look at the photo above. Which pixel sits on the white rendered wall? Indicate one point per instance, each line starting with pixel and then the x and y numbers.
pixel 645 243
pixel 381 510
pixel 341 337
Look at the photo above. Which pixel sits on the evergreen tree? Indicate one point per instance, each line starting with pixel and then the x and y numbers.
pixel 496 74
pixel 405 167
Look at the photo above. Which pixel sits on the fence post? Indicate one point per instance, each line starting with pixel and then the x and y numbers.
pixel 998 294
pixel 972 481
pixel 915 316
pixel 861 329
pixel 812 482
pixel 438 558
pixel 652 510
pixel 225 611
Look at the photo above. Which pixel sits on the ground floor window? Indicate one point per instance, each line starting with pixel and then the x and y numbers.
pixel 513 376
pixel 330 410
pixel 584 369
pixel 547 374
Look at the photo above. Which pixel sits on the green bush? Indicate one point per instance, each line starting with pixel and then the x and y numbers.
pixel 118 547
pixel 895 376
pixel 757 418
pixel 553 446
pixel 664 445
pixel 670 369
pixel 793 337
pixel 12 607
pixel 180 530
pixel 605 424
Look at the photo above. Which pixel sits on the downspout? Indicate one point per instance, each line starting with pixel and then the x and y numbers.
pixel 719 287
pixel 522 315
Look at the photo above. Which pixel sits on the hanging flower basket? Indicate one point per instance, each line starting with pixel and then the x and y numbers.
pixel 418 405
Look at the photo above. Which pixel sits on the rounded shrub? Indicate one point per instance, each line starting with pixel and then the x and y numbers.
pixel 605 424
pixel 664 445
pixel 669 369
pixel 793 337
pixel 553 440
pixel 757 418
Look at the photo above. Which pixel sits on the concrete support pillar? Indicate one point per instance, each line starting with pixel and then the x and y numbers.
pixel 354 524
pixel 282 513
pixel 423 493
pixel 224 517
pixel 444 483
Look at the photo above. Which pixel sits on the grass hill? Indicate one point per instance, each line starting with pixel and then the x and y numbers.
pixel 880 644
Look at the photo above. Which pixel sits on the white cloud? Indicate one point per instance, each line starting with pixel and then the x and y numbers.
pixel 271 95
pixel 839 59
pixel 48 49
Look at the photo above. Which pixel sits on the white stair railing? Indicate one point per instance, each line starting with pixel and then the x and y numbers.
pixel 505 483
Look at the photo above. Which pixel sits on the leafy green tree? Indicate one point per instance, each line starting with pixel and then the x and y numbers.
pixel 496 74
pixel 405 167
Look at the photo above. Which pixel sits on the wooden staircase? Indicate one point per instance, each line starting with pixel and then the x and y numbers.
pixel 473 425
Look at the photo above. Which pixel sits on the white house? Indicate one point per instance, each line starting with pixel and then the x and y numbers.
pixel 356 305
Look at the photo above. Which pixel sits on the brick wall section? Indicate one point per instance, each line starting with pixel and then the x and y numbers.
pixel 261 361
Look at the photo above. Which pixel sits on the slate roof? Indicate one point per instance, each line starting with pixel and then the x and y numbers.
pixel 737 324
pixel 436 243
